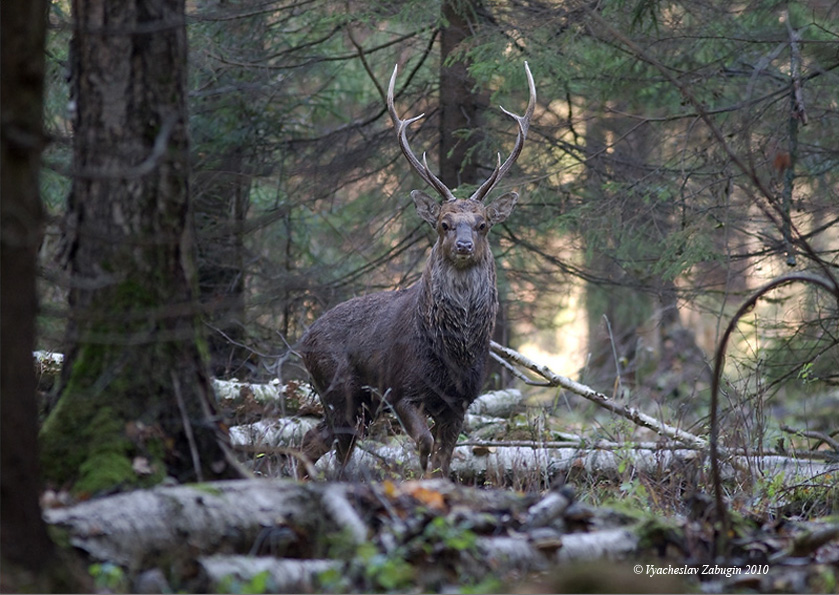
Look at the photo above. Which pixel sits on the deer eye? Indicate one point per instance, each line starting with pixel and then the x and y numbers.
pixel 445 226
pixel 482 226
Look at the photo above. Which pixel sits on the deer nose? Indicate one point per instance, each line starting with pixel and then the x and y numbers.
pixel 464 246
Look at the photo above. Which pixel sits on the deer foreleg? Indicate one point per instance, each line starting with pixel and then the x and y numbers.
pixel 414 421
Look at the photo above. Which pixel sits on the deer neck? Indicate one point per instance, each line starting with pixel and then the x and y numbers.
pixel 458 307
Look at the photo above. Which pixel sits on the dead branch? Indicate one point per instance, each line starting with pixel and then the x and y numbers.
pixel 634 415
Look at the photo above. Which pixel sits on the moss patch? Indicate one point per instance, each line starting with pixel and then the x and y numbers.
pixel 103 471
pixel 83 441
pixel 116 424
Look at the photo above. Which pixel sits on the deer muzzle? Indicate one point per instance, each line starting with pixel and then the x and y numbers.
pixel 464 245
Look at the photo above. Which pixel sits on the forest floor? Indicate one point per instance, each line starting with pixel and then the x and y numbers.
pixel 529 509
pixel 423 536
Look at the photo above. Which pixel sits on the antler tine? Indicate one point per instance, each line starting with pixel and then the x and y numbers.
pixel 401 133
pixel 524 125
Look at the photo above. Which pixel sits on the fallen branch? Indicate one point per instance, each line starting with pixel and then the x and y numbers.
pixel 634 415
pixel 288 529
pixel 581 443
pixel 820 436
pixel 125 528
pixel 284 575
pixel 497 403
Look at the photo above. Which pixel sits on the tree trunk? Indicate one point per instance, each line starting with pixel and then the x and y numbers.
pixel 636 337
pixel 460 106
pixel 135 401
pixel 24 535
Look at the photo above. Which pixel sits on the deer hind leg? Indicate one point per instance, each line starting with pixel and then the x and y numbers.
pixel 341 401
pixel 414 421
pixel 446 430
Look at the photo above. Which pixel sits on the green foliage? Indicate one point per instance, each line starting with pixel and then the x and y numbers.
pixel 261 582
pixel 385 573
pixel 442 532
pixel 104 471
pixel 109 577
pixel 84 439
pixel 379 572
pixel 54 178
pixel 806 354
pixel 625 188
pixel 298 95
pixel 442 541
pixel 807 498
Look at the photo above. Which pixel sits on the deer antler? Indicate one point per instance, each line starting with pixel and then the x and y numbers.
pixel 524 124
pixel 500 169
pixel 401 130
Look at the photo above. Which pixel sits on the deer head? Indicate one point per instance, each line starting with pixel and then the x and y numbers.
pixel 462 224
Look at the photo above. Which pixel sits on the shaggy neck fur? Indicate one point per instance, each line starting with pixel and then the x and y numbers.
pixel 458 307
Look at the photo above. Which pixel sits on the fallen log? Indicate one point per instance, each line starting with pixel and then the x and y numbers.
pixel 287 432
pixel 208 518
pixel 224 573
pixel 498 403
pixel 475 462
pixel 489 411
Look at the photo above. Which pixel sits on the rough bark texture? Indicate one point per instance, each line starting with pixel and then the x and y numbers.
pixel 134 404
pixel 211 518
pixel 297 526
pixel 24 536
pixel 460 105
pixel 616 309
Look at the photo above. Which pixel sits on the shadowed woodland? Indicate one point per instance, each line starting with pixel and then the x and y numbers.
pixel 188 186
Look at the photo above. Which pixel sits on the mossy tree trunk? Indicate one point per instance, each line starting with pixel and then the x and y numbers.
pixel 135 403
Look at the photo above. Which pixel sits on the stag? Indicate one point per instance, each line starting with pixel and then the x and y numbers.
pixel 421 351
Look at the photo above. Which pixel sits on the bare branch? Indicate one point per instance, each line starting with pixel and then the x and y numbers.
pixel 638 417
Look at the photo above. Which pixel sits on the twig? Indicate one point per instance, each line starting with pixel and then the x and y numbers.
pixel 795 70
pixel 363 57
pixel 582 445
pixel 618 390
pixel 193 449
pixel 771 208
pixel 259 449
pixel 812 434
pixel 516 372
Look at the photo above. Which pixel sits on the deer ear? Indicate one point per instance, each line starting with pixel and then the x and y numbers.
pixel 427 207
pixel 501 207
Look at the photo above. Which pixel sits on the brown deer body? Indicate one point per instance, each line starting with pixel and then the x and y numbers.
pixel 422 350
